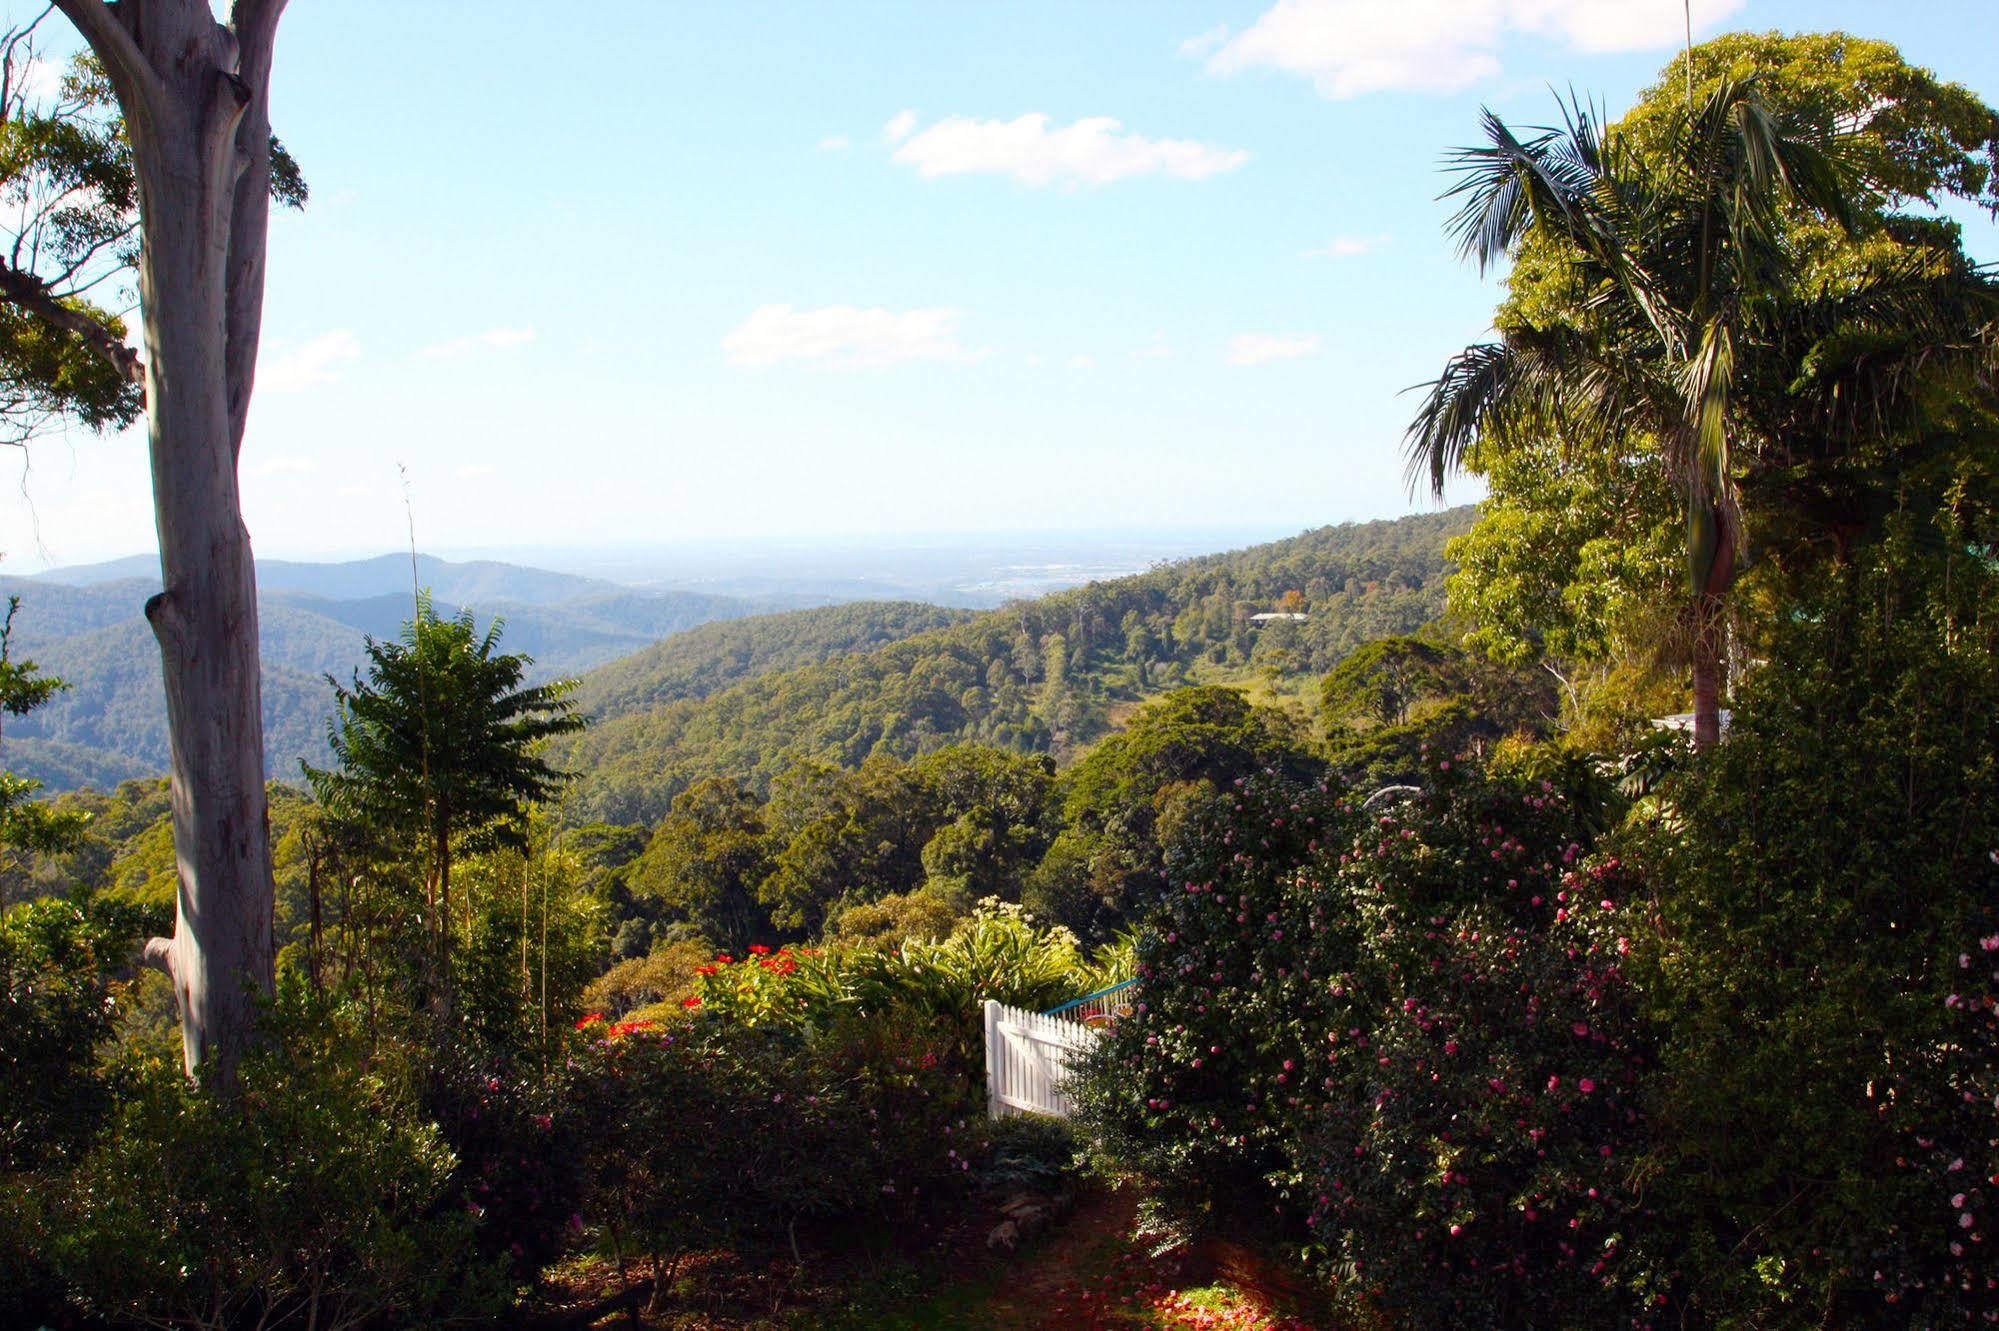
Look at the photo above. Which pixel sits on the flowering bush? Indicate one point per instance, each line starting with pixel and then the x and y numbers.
pixel 1405 1038
pixel 1000 952
pixel 795 987
pixel 519 1152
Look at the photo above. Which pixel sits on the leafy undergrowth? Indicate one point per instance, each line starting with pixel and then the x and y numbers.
pixel 1087 1272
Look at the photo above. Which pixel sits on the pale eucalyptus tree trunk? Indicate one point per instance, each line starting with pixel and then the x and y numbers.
pixel 193 92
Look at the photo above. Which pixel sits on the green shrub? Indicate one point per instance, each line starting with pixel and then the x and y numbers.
pixel 1825 880
pixel 1028 1151
pixel 60 968
pixel 710 1133
pixel 312 1195
pixel 60 999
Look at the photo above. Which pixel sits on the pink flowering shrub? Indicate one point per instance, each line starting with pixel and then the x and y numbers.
pixel 1404 1040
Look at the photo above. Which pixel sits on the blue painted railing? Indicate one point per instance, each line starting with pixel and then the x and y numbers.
pixel 1074 1004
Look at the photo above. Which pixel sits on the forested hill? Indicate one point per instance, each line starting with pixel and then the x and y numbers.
pixel 713 656
pixel 1046 675
pixel 85 626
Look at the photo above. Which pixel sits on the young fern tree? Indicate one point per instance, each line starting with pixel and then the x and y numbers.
pixel 441 748
pixel 1695 322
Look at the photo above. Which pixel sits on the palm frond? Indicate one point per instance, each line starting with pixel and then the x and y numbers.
pixel 1461 403
pixel 1701 442
pixel 1508 186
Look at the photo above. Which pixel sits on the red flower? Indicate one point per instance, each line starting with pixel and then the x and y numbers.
pixel 588 1019
pixel 758 950
pixel 692 1000
pixel 724 958
pixel 621 1029
pixel 706 970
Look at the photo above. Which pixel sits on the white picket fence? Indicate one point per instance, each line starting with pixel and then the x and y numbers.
pixel 1027 1059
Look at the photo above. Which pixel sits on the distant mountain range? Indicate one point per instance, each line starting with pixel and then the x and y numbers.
pixel 85 625
pixel 470 583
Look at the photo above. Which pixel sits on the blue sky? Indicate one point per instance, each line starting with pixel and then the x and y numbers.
pixel 643 272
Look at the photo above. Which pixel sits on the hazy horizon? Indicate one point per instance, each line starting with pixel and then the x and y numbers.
pixel 973 569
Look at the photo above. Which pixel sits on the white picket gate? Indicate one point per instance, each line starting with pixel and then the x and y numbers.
pixel 1027 1058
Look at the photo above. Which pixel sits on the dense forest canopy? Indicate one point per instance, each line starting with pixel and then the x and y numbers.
pixel 1043 676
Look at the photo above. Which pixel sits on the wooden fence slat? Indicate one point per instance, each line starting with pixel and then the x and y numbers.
pixel 1027 1059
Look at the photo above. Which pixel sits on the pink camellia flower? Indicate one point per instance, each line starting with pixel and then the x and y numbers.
pixel 1587 1086
pixel 1554 1083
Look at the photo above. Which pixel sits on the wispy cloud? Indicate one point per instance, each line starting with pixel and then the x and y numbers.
pixel 491 338
pixel 835 143
pixel 899 125
pixel 1093 151
pixel 1263 348
pixel 309 364
pixel 1203 44
pixel 1082 362
pixel 845 337
pixel 1349 48
pixel 1345 247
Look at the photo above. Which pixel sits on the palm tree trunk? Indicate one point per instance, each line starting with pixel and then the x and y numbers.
pixel 1708 671
pixel 1711 630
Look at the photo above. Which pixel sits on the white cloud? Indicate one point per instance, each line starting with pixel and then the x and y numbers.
pixel 1352 47
pixel 1080 362
pixel 309 364
pixel 1344 247
pixel 1203 44
pixel 454 348
pixel 845 337
pixel 1093 151
pixel 1263 348
pixel 899 125
pixel 834 143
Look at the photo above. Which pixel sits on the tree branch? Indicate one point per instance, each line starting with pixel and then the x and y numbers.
pixel 256 26
pixel 159 954
pixel 33 295
pixel 118 49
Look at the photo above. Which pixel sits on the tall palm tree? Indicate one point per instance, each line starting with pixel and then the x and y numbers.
pixel 1694 321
